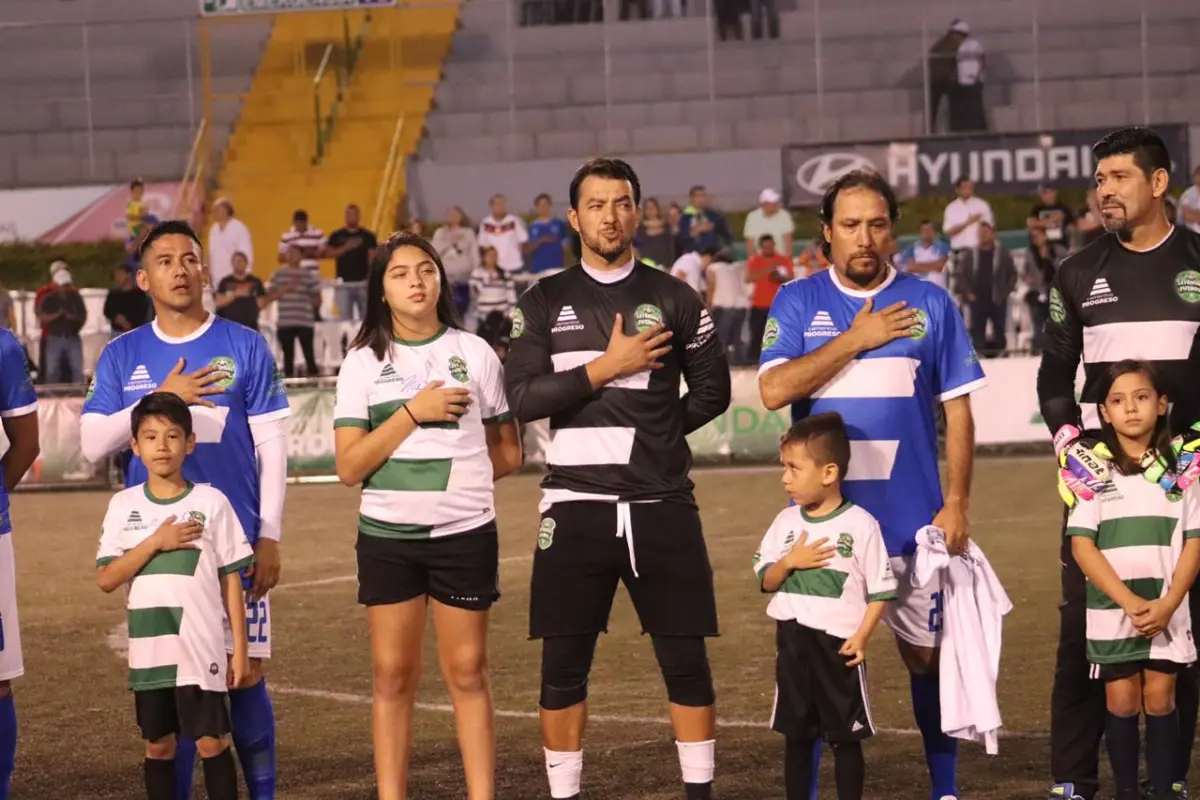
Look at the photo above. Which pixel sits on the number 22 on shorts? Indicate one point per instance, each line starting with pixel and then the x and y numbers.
pixel 935 613
pixel 256 622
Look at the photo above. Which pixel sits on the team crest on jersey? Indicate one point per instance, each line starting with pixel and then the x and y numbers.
pixel 545 536
pixel 91 387
pixel 845 545
pixel 770 333
pixel 277 388
pixel 920 325
pixel 458 369
pixel 1058 311
pixel 227 366
pixel 647 316
pixel 197 516
pixel 518 324
pixel 1187 286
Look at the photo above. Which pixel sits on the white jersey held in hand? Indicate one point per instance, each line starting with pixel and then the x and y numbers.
pixel 176 606
pixel 975 604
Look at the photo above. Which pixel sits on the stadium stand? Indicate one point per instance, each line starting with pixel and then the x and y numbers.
pixel 657 96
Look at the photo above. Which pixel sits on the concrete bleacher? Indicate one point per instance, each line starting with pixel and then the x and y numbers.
pixel 644 87
pixel 134 109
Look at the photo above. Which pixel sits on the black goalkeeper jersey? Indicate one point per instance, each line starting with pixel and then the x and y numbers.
pixel 1109 303
pixel 625 441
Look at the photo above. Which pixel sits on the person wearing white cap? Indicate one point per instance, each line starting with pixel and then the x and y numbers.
pixel 227 236
pixel 966 106
pixel 62 314
pixel 769 219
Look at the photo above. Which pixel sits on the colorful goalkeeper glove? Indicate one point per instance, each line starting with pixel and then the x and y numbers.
pixel 1187 466
pixel 1082 465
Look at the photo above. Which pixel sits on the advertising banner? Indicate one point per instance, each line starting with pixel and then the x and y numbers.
pixel 999 164
pixel 78 213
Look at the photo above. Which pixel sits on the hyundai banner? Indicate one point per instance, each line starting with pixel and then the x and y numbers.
pixel 999 164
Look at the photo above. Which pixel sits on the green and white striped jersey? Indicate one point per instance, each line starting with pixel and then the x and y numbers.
pixel 834 598
pixel 438 482
pixel 1141 534
pixel 176 607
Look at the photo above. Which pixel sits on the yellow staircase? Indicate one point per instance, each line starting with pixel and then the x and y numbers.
pixel 268 169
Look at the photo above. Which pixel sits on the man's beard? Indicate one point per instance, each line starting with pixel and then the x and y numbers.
pixel 861 276
pixel 610 253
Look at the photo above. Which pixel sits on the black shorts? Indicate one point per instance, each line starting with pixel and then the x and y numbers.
pixel 816 694
pixel 579 559
pixel 182 710
pixel 460 570
pixel 1127 669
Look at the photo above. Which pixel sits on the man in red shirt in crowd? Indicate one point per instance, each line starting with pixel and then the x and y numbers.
pixel 46 288
pixel 767 270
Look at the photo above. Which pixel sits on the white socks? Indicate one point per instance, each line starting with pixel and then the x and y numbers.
pixel 563 770
pixel 697 760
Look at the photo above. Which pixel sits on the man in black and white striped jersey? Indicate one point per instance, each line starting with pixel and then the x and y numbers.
pixel 310 240
pixel 600 349
pixel 1131 294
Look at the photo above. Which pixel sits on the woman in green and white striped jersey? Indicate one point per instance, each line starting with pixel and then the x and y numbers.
pixel 421 422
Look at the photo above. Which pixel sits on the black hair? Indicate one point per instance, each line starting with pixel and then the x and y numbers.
pixel 541 197
pixel 699 187
pixel 610 168
pixel 376 330
pixel 135 183
pixel 170 227
pixel 354 206
pixel 824 436
pixel 855 179
pixel 1147 148
pixel 1161 440
pixel 711 252
pixel 924 222
pixel 164 405
pixel 960 180
pixel 124 268
pixel 766 237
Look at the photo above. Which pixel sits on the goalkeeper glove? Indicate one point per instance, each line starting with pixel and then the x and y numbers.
pixel 1187 466
pixel 1082 465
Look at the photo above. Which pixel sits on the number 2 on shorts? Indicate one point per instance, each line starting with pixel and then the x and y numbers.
pixel 935 613
pixel 256 622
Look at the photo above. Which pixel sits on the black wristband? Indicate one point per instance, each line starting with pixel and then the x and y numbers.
pixel 411 415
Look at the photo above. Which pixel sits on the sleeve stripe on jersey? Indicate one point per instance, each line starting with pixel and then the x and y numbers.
pixel 770 365
pixel 19 412
pixel 888 595
pixel 762 572
pixel 350 422
pixel 496 420
pixel 959 391
pixel 237 566
pixel 270 416
pixel 1087 533
pixel 103 562
pixel 1192 534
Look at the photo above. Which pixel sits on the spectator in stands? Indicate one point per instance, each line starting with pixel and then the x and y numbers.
pixel 548 240
pixel 1052 216
pixel 1089 225
pixel 297 290
pixel 227 236
pixel 760 11
pixel 811 260
pixel 985 277
pixel 767 270
pixel 691 268
pixel 308 240
pixel 62 316
pixel 506 232
pixel 728 19
pixel 642 7
pixel 700 227
pixel 966 108
pixel 1189 203
pixel 41 294
pixel 926 257
pixel 493 296
pixel 769 219
pixel 136 208
pixel 655 241
pixel 458 247
pixel 1041 262
pixel 8 310
pixel 964 215
pixel 126 307
pixel 727 299
pixel 241 296
pixel 352 246
pixel 943 73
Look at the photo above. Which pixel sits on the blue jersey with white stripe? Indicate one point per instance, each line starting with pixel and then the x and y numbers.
pixel 17 399
pixel 136 363
pixel 886 396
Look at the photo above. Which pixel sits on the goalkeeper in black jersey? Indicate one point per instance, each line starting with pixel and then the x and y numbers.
pixel 1132 294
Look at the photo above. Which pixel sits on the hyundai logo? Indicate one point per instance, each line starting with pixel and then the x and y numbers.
pixel 819 172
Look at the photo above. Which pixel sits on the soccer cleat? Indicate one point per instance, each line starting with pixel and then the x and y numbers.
pixel 1064 791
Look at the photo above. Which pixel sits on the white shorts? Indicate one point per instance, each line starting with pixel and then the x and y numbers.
pixel 916 614
pixel 12 665
pixel 258 628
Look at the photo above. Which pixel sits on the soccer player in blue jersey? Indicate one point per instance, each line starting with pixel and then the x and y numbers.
pixel 827 348
pixel 227 375
pixel 18 414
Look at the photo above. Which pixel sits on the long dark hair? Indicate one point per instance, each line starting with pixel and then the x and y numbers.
pixel 1160 441
pixel 376 330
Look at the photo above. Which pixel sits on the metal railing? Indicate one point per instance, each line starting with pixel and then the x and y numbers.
pixel 325 115
pixel 191 188
pixel 389 182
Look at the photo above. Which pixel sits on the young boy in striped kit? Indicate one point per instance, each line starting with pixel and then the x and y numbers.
pixel 826 563
pixel 1140 550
